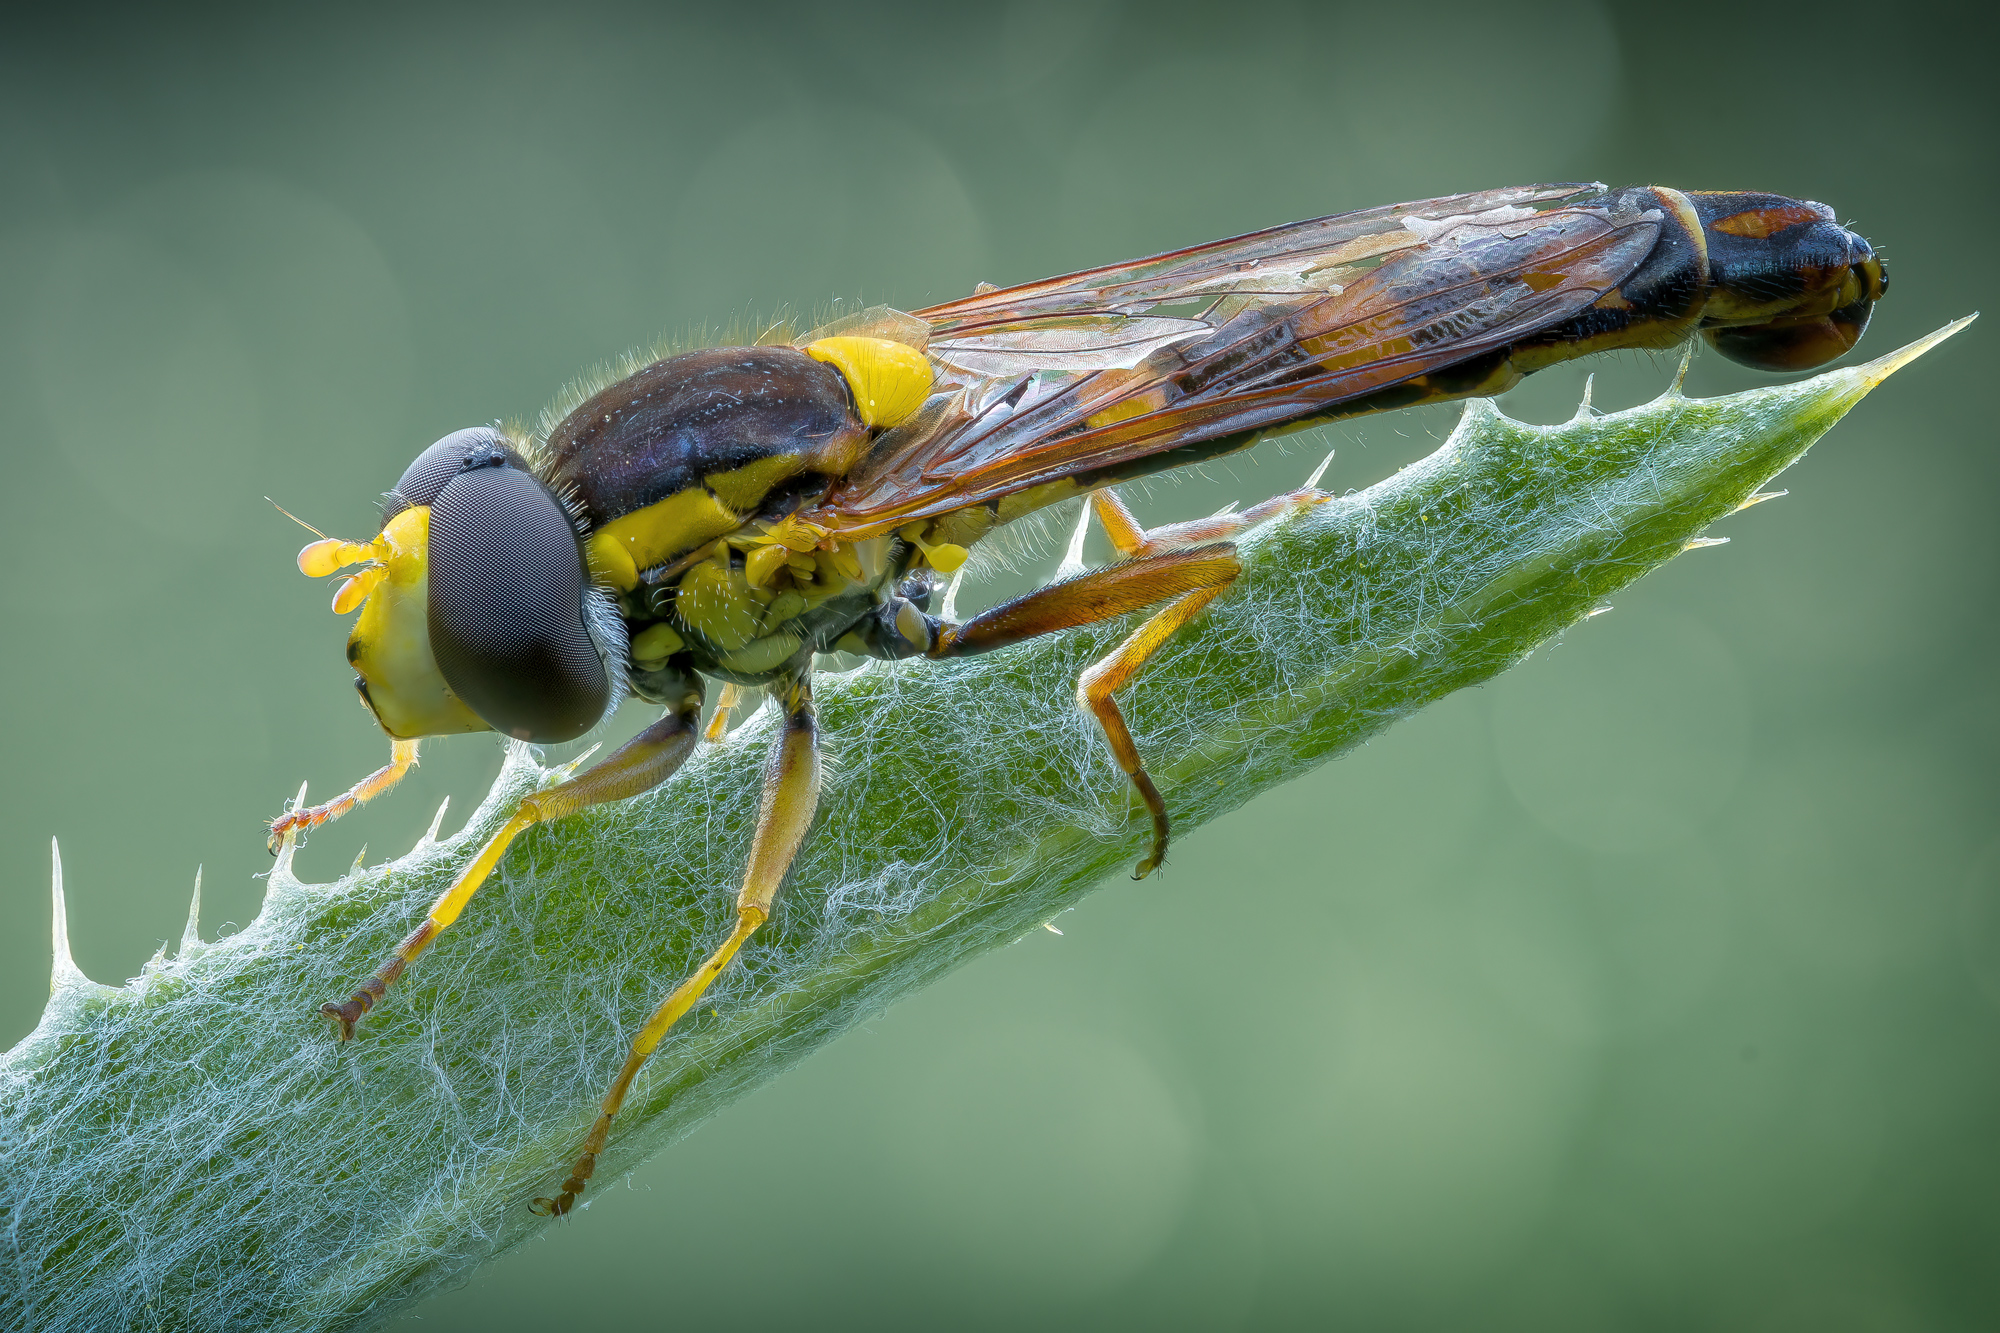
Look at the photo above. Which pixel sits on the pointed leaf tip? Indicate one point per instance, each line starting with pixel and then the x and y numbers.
pixel 1584 411
pixel 1882 367
pixel 1311 482
pixel 563 771
pixel 1760 497
pixel 950 608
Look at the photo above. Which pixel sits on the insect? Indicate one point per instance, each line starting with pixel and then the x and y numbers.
pixel 729 513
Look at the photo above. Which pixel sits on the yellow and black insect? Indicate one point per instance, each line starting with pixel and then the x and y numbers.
pixel 731 513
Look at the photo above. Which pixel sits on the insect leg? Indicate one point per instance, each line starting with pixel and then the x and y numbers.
pixel 791 795
pixel 718 725
pixel 1217 527
pixel 1135 543
pixel 402 758
pixel 1121 525
pixel 1099 594
pixel 643 762
pixel 1097 684
pixel 1191 578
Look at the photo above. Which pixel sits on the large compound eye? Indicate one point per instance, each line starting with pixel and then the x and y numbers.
pixel 1793 288
pixel 1796 344
pixel 437 465
pixel 507 581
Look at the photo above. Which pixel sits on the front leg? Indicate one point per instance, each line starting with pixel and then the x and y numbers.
pixel 642 763
pixel 402 758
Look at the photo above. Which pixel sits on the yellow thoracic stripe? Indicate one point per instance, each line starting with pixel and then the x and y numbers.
pixel 744 488
pixel 662 530
pixel 684 520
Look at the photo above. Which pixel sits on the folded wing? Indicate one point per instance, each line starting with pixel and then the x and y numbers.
pixel 1079 373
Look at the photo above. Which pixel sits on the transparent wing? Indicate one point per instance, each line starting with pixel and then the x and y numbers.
pixel 1277 255
pixel 1094 369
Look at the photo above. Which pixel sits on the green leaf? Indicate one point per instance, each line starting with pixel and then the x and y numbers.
pixel 194 1149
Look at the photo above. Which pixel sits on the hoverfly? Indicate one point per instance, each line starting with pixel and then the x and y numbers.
pixel 730 513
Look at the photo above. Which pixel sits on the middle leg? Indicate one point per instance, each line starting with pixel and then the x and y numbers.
pixel 791 795
pixel 1097 686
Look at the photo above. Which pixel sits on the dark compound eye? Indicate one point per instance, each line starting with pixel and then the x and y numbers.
pixel 1789 345
pixel 437 465
pixel 507 580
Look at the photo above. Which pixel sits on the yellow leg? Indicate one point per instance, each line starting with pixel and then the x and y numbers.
pixel 791 795
pixel 1094 596
pixel 1224 527
pixel 1102 680
pixel 1187 565
pixel 402 758
pixel 1142 547
pixel 1187 580
pixel 718 725
pixel 1095 688
pixel 1133 542
pixel 1120 524
pixel 643 762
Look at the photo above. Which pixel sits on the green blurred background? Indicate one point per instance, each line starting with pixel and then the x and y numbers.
pixel 1651 987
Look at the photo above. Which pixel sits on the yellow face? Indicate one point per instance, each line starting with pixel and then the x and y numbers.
pixel 390 647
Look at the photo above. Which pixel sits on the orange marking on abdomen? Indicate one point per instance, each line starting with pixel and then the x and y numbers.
pixel 1757 223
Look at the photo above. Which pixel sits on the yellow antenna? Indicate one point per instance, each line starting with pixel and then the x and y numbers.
pixel 329 555
pixel 295 518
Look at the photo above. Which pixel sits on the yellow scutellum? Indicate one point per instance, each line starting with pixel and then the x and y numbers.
pixel 889 380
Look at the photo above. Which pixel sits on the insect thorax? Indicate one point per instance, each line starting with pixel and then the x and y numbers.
pixel 687 471
pixel 740 615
